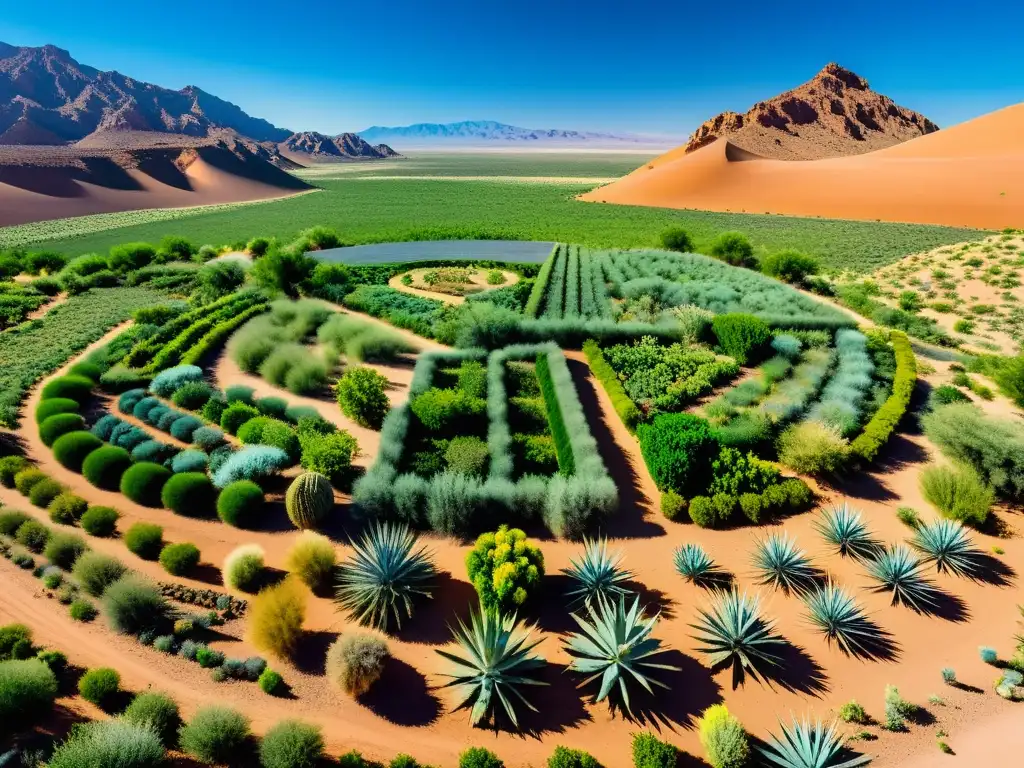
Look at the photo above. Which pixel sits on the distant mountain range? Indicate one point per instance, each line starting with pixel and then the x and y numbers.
pixel 484 132
pixel 344 145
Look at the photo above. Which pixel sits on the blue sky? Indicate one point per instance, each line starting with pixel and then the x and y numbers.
pixel 642 66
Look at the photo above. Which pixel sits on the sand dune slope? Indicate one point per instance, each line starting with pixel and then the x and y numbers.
pixel 969 175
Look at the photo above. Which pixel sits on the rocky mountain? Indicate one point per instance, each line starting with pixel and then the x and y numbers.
pixel 345 146
pixel 834 114
pixel 46 97
pixel 487 132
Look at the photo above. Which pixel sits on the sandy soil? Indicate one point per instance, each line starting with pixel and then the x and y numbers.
pixel 404 714
pixel 971 175
pixel 42 309
pixel 499 179
pixel 419 288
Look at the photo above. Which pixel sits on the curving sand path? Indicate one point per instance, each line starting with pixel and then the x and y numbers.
pixel 511 278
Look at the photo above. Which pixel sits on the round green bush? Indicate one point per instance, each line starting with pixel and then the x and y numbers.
pixel 192 395
pixel 185 427
pixel 270 682
pixel 67 507
pixel 243 568
pixel 48 408
pixel 27 690
pixel 44 492
pixel 479 757
pixel 564 757
pixel 734 248
pixel 114 743
pixel 189 460
pixel 156 710
pixel 790 266
pixel 235 415
pixel 215 735
pixel 309 500
pixel 240 503
pixel 190 493
pixel 272 406
pixel 467 454
pixel 207 438
pixel 145 540
pixel 99 521
pixel 677 239
pixel 144 406
pixel 11 466
pixel 94 572
pixel 59 424
pixel 82 610
pixel 105 467
pixel 11 637
pixel 64 549
pixel 32 535
pixel 71 448
pixel 362 396
pixel 179 559
pixel 672 505
pixel 11 520
pixel 158 412
pixel 26 479
pixel 143 483
pixel 71 387
pixel 292 744
pixel 133 605
pixel 702 512
pixel 239 393
pixel 100 686
pixel 678 448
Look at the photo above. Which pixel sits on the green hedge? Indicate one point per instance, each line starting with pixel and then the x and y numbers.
pixel 72 387
pixel 563 445
pixel 877 431
pixel 540 285
pixel 605 374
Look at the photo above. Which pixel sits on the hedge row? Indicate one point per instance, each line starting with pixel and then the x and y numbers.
pixel 623 404
pixel 219 333
pixel 540 285
pixel 877 431
pixel 563 446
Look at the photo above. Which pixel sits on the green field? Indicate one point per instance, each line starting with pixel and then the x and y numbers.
pixel 381 210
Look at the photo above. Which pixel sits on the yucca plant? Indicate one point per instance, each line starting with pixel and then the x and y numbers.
pixel 781 564
pixel 384 576
pixel 696 566
pixel 597 573
pixel 842 526
pixel 732 631
pixel 898 571
pixel 948 545
pixel 615 645
pixel 833 611
pixel 803 744
pixel 493 660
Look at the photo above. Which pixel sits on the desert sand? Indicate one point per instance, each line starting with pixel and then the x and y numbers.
pixel 970 175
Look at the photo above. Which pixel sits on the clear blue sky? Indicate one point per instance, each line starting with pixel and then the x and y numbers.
pixel 641 66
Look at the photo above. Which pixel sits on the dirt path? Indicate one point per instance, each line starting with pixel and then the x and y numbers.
pixel 511 278
pixel 39 312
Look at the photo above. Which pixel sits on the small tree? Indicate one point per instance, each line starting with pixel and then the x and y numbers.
pixel 282 270
pixel 362 395
pixel 734 248
pixel 677 239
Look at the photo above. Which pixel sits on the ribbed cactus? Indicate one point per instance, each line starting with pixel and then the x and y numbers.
pixel 309 499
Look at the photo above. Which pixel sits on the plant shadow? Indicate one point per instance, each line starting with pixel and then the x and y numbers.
pixel 558 703
pixel 992 570
pixel 402 696
pixel 794 670
pixel 311 653
pixel 431 624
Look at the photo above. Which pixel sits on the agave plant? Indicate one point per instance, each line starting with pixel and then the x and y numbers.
pixel 834 611
pixel 842 526
pixel 695 565
pixel 615 645
pixel 493 660
pixel 804 744
pixel 384 576
pixel 781 564
pixel 897 570
pixel 947 544
pixel 733 631
pixel 597 574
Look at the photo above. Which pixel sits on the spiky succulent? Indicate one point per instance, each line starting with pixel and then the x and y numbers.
pixel 781 564
pixel 732 631
pixel 836 614
pixel 597 573
pixel 695 565
pixel 384 576
pixel 492 661
pixel 948 545
pixel 615 645
pixel 843 527
pixel 898 571
pixel 806 744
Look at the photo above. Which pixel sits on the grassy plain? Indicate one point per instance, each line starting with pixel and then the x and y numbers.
pixel 367 210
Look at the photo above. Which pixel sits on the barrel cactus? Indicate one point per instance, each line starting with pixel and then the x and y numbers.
pixel 309 499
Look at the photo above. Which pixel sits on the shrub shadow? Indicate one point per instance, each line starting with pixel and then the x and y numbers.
pixel 402 696
pixel 311 653
pixel 555 609
pixel 207 573
pixel 558 703
pixel 794 671
pixel 992 570
pixel 452 599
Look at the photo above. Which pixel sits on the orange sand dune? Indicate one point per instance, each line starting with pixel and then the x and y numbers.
pixel 970 175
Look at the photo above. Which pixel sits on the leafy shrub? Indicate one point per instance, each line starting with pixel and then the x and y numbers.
pixel 145 540
pixel 215 735
pixel 192 395
pixel 678 449
pixel 329 454
pixel 63 549
pixel 734 248
pixel 12 638
pixel 291 744
pixel 82 610
pixel 11 466
pixel 108 743
pixel 790 266
pixel 143 483
pixel 99 521
pixel 446 410
pixel 264 430
pixel 478 757
pixel 250 463
pixel 243 568
pixel 60 424
pixel 183 428
pixel 44 492
pixel 240 503
pixel 167 381
pixel 26 479
pixel 296 368
pixel 207 658
pixel 152 451
pixel 106 466
pixel 624 406
pixel 27 690
pixel 355 661
pixel 467 454
pixel 958 493
pixel 723 738
pixel 32 535
pixel 157 711
pixel 677 239
pixel 852 712
pixel 133 605
pixel 270 682
pixel 179 559
pixel 506 570
pixel 811 447
pixel 71 448
pixel 312 558
pixel 235 415
pixel 190 493
pixel 275 617
pixel 564 757
pixel 362 396
pixel 94 572
pixel 650 752
pixel 53 406
pixel 207 438
pixel 188 461
pixel 239 393
pixel 11 520
pixel 70 387
pixel 742 337
pixel 100 686
pixel 945 395
pixel 130 256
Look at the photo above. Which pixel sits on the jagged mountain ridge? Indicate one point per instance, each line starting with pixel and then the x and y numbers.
pixel 340 147
pixel 483 131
